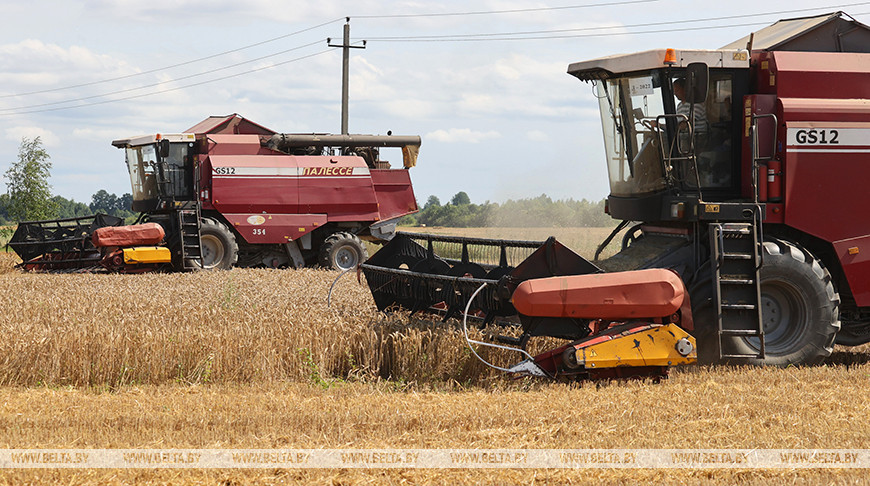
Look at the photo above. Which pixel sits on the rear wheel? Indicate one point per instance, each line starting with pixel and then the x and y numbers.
pixel 219 248
pixel 799 309
pixel 342 251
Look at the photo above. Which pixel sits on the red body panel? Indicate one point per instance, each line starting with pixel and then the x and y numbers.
pixel 340 187
pixel 854 255
pixel 295 194
pixel 230 124
pixel 825 187
pixel 274 228
pixel 221 144
pixel 395 193
pixel 822 105
pixel 270 197
pixel 636 294
pixel 254 184
pixel 789 74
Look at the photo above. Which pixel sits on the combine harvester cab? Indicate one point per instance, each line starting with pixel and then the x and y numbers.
pixel 732 168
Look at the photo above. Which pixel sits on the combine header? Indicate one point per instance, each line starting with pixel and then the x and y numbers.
pixel 620 324
pixel 737 173
pixel 61 245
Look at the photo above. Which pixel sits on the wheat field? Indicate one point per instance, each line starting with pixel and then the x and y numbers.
pixel 255 358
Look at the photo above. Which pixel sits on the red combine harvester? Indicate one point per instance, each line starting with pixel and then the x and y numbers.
pixel 229 192
pixel 739 176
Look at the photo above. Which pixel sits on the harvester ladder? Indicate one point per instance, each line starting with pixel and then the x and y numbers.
pixel 737 253
pixel 191 245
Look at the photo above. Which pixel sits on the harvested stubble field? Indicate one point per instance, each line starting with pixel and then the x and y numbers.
pixel 255 359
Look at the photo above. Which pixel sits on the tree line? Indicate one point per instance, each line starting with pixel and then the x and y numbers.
pixel 59 207
pixel 28 194
pixel 540 211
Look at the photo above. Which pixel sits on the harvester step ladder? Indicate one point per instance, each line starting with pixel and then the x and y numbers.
pixel 191 245
pixel 737 260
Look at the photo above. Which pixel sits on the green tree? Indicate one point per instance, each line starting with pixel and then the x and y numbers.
pixel 125 202
pixel 4 208
pixel 68 208
pixel 103 202
pixel 460 199
pixel 27 186
pixel 432 201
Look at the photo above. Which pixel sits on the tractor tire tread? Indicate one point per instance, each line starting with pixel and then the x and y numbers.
pixel 325 256
pixel 232 249
pixel 822 348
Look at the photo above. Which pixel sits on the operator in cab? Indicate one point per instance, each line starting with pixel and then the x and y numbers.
pixel 698 117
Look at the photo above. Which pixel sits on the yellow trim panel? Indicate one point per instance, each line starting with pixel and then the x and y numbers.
pixel 147 254
pixel 659 346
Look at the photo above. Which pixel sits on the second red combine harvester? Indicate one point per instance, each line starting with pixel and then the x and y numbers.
pixel 229 192
pixel 738 175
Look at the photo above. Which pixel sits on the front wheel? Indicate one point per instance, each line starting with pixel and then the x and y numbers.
pixel 219 248
pixel 799 310
pixel 342 251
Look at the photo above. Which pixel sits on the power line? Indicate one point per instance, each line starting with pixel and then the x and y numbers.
pixel 172 66
pixel 102 95
pixel 503 36
pixel 177 88
pixel 498 36
pixel 323 24
pixel 570 36
pixel 491 12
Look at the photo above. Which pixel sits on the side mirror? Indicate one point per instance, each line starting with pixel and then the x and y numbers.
pixel 163 148
pixel 697 75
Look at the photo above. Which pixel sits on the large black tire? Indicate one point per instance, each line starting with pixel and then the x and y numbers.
pixel 800 311
pixel 219 248
pixel 854 334
pixel 342 251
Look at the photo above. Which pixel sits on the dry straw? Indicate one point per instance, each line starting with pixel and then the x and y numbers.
pixel 215 327
pixel 240 326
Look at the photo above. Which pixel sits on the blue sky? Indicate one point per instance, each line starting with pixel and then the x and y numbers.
pixel 499 118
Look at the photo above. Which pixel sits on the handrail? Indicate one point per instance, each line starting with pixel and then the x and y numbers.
pixel 756 159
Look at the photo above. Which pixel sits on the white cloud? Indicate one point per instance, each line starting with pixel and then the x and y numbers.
pixel 461 135
pixel 49 139
pixel 537 136
pixel 31 65
pixel 166 11
pixel 410 108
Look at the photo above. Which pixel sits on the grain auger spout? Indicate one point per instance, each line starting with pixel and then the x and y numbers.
pixel 623 324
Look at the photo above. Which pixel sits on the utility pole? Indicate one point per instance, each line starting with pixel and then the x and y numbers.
pixel 345 71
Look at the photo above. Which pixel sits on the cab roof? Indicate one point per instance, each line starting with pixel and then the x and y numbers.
pixel 152 138
pixel 609 66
